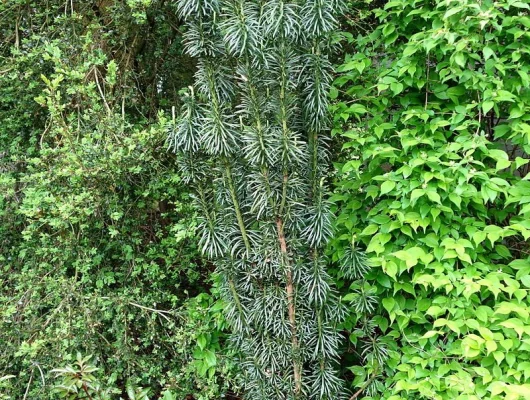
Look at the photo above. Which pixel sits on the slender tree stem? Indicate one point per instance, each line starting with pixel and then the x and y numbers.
pixel 237 208
pixel 236 299
pixel 313 140
pixel 291 309
pixel 86 391
pixel 29 384
pixel 259 127
pixel 290 286
pixel 362 389
pixel 243 231
pixel 102 94
pixel 230 280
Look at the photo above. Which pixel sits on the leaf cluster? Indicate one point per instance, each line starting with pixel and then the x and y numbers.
pixel 432 113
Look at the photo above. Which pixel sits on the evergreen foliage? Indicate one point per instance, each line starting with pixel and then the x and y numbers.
pixel 251 140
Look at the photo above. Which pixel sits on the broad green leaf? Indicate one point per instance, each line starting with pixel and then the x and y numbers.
pixel 488 52
pixel 389 304
pixel 387 187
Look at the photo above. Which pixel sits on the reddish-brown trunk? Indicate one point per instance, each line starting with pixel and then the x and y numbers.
pixel 291 309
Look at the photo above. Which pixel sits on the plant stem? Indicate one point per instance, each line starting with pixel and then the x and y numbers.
pixel 29 384
pixel 86 391
pixel 237 208
pixel 358 392
pixel 230 280
pixel 291 309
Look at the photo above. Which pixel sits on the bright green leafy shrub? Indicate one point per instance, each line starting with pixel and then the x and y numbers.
pixel 433 111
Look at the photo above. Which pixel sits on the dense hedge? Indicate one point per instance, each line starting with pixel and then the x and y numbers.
pixel 97 247
pixel 433 110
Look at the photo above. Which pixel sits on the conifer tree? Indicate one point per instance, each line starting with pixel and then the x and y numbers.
pixel 252 142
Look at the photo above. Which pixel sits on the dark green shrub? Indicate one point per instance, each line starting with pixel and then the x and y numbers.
pixel 97 246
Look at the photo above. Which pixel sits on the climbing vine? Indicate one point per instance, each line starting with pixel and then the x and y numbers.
pixel 432 110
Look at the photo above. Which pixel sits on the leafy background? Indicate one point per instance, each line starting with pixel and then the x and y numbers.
pixel 98 254
pixel 432 114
